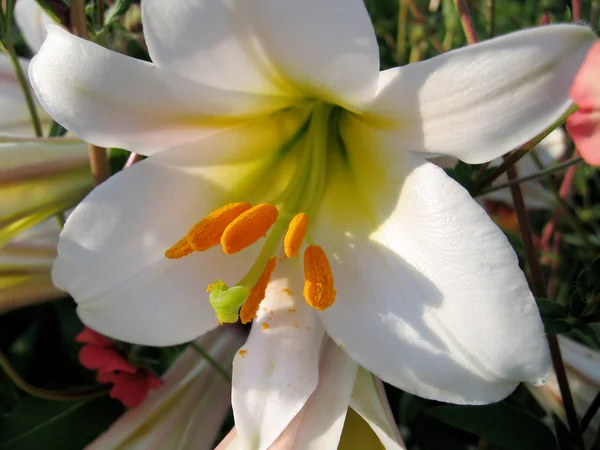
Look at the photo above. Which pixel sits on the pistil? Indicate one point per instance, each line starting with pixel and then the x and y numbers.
pixel 237 226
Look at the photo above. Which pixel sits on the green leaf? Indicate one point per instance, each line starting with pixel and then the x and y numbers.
pixel 116 11
pixel 41 424
pixel 556 318
pixel 410 406
pixel 500 424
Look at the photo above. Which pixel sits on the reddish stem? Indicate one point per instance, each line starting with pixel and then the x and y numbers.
pixel 564 192
pixel 576 10
pixel 466 22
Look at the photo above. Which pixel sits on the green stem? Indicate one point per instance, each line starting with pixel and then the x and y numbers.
pixel 519 152
pixel 402 27
pixel 209 359
pixel 47 394
pixel 539 290
pixel 12 54
pixel 541 174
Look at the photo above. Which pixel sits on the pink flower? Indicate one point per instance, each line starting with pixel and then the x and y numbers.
pixel 130 384
pixel 584 124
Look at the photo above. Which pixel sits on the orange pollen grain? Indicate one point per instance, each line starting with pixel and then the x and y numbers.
pixel 257 294
pixel 179 250
pixel 248 228
pixel 318 279
pixel 295 235
pixel 207 233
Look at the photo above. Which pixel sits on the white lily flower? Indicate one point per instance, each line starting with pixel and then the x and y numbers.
pixel 582 365
pixel 187 411
pixel 281 104
pixel 15 119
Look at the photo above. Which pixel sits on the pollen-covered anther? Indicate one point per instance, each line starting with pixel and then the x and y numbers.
pixel 179 250
pixel 248 228
pixel 207 232
pixel 295 235
pixel 257 294
pixel 318 279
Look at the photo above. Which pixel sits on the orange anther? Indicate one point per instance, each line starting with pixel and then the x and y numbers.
pixel 318 279
pixel 295 235
pixel 257 294
pixel 207 233
pixel 179 250
pixel 248 228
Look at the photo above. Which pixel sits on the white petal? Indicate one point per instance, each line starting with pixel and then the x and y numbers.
pixel 113 100
pixel 209 41
pixel 325 47
pixel 368 402
pixel 276 371
pixel 430 295
pixel 32 20
pixel 111 256
pixel 479 102
pixel 320 422
pixel 187 411
pixel 15 119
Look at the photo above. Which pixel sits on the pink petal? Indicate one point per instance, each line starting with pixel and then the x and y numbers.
pixel 104 359
pixel 584 128
pixel 106 377
pixel 585 90
pixel 89 336
pixel 132 389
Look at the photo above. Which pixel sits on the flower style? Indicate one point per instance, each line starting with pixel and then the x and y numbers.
pixel 15 118
pixel 130 384
pixel 188 409
pixel 260 114
pixel 584 125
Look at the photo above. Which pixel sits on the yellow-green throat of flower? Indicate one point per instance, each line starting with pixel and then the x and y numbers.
pixel 236 226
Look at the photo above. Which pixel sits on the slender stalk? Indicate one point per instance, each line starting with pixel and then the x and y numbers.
pixel 594 13
pixel 98 157
pixel 539 290
pixel 209 359
pixel 14 59
pixel 490 6
pixel 591 412
pixel 47 394
pixel 402 26
pixel 465 20
pixel 98 163
pixel 576 10
pixel 535 176
pixel 100 12
pixel 521 151
pixel 418 15
pixel 563 193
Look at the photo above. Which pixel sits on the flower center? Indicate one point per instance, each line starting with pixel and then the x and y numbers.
pixel 236 226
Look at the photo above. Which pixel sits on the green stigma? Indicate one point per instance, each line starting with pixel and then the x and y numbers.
pixel 227 301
